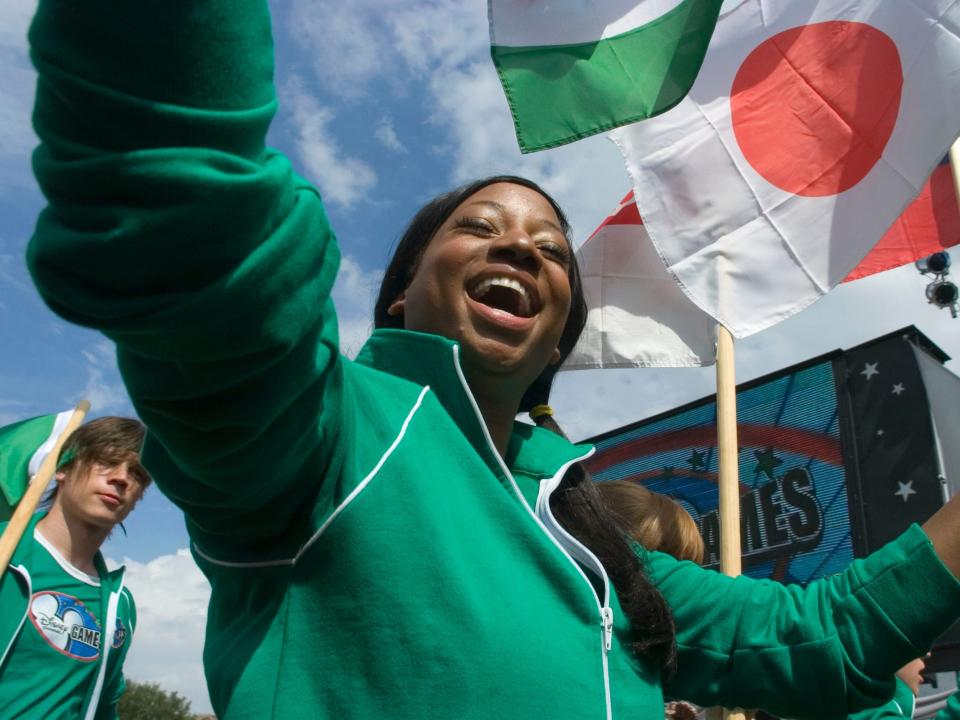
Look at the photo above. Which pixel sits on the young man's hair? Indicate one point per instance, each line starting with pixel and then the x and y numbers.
pixel 107 441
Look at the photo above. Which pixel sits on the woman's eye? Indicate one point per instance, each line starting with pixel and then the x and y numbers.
pixel 476 225
pixel 556 251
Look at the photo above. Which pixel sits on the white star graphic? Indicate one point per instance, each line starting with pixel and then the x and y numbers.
pixel 880 432
pixel 906 490
pixel 869 370
pixel 898 388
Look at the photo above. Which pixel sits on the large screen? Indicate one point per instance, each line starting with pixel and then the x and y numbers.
pixel 794 506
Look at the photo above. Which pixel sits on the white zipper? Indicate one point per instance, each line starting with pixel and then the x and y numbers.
pixel 106 642
pixel 573 547
pixel 565 542
pixel 606 615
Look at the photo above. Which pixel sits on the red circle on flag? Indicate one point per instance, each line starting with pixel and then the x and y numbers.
pixel 814 106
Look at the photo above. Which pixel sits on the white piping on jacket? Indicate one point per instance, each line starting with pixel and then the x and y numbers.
pixel 26 576
pixel 543 501
pixel 133 624
pixel 339 509
pixel 587 558
pixel 106 642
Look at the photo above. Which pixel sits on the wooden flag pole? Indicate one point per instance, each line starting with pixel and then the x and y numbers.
pixel 37 487
pixel 729 475
pixel 729 468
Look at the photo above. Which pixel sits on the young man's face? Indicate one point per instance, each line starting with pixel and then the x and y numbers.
pixel 100 495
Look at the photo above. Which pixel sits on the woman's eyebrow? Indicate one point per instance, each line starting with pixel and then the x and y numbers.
pixel 500 208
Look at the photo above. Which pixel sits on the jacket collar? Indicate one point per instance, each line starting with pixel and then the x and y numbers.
pixel 427 359
pixel 24 553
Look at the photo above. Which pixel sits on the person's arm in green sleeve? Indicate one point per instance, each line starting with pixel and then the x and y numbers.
pixel 818 652
pixel 952 710
pixel 175 231
pixel 900 706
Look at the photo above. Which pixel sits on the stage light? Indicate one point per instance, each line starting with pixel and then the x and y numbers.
pixel 936 264
pixel 941 292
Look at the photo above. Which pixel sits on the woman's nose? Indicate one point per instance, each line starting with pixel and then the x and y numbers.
pixel 517 247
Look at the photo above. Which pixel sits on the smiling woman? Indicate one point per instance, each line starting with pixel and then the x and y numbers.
pixel 489 265
pixel 518 237
pixel 381 537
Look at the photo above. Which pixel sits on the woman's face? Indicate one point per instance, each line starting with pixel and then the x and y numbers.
pixel 495 277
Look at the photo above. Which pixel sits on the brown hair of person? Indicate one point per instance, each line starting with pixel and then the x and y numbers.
pixel 108 441
pixel 656 521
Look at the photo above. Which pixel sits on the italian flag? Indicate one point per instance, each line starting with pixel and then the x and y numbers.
pixel 23 447
pixel 575 68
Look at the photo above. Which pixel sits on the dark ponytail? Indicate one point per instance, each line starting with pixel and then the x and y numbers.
pixel 578 507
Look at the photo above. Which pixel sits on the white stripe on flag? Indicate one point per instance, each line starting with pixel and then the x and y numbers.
pixel 59 425
pixel 521 23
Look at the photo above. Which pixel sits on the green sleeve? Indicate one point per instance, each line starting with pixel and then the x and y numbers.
pixel 899 708
pixel 952 710
pixel 818 652
pixel 171 228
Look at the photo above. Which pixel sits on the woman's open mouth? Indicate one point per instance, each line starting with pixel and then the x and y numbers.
pixel 505 295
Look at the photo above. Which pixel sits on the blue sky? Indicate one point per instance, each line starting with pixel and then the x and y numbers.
pixel 384 103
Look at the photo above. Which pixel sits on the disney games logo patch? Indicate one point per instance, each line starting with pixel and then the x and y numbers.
pixel 66 624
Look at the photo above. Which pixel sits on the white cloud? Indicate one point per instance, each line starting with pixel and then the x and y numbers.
pixel 16 134
pixel 342 180
pixel 443 47
pixel 344 40
pixel 104 388
pixel 354 295
pixel 387 136
pixel 587 178
pixel 171 596
pixel 353 45
pixel 12 275
pixel 440 35
pixel 19 410
pixel 15 18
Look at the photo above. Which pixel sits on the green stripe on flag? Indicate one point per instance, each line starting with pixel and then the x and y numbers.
pixel 19 443
pixel 562 93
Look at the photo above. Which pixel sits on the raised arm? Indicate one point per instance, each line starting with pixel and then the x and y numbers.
pixel 171 228
pixel 819 652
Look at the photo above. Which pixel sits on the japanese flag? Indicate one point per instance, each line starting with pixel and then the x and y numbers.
pixel 809 129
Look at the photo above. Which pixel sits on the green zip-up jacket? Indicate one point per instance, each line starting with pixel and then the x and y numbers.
pixel 900 707
pixel 370 553
pixel 903 704
pixel 116 603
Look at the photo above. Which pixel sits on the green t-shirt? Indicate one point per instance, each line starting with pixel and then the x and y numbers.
pixel 54 659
